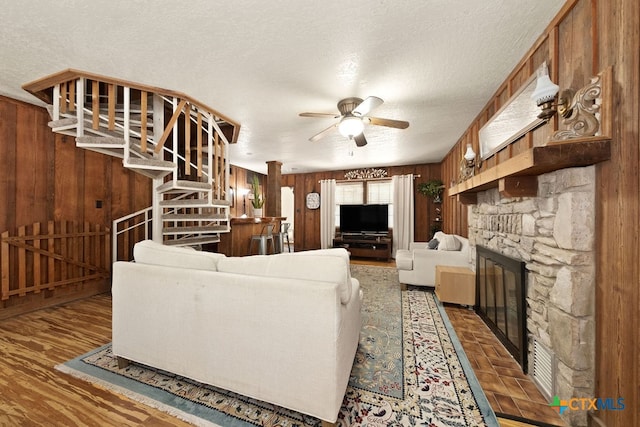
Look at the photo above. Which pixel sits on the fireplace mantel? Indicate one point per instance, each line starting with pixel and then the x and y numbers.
pixel 517 175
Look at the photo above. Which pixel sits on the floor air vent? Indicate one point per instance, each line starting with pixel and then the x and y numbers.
pixel 544 372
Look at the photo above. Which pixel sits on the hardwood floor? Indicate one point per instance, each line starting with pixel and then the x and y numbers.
pixel 33 393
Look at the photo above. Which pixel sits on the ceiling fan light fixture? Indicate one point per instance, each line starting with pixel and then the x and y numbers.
pixel 350 126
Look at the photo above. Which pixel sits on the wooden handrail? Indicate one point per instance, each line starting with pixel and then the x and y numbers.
pixel 39 87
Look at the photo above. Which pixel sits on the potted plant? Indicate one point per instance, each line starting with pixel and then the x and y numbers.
pixel 257 201
pixel 432 188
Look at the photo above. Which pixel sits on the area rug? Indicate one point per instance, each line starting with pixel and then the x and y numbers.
pixel 410 370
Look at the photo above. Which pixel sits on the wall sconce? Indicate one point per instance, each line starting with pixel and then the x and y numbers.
pixel 244 192
pixel 467 164
pixel 580 109
pixel 545 93
pixel 470 156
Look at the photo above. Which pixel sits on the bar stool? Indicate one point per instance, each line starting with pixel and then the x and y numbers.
pixel 263 239
pixel 282 236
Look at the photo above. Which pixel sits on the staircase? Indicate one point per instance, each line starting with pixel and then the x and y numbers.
pixel 178 142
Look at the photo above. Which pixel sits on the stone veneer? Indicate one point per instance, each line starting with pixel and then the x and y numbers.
pixel 554 234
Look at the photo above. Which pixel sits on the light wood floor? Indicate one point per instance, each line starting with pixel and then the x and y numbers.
pixel 33 393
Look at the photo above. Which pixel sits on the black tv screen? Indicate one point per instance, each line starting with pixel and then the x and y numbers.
pixel 364 218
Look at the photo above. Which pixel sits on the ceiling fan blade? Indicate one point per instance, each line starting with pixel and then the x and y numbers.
pixel 360 140
pixel 322 133
pixel 367 105
pixel 398 124
pixel 333 115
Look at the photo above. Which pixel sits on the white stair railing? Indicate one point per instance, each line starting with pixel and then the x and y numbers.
pixel 128 223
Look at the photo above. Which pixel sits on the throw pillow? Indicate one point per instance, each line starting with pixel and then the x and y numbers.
pixel 449 243
pixel 433 244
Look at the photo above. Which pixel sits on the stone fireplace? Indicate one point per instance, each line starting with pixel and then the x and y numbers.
pixel 553 234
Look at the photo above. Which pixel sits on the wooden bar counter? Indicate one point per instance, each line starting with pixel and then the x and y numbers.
pixel 237 241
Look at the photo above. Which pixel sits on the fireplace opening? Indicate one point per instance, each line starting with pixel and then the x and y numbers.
pixel 500 293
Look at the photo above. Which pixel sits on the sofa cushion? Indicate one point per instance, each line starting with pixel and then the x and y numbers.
pixel 320 267
pixel 449 243
pixel 150 252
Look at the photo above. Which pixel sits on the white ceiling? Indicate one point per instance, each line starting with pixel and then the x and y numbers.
pixel 434 62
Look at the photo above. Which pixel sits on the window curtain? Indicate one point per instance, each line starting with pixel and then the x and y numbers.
pixel 402 211
pixel 327 212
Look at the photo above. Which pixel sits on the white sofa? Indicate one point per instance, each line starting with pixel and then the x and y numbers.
pixel 281 328
pixel 417 266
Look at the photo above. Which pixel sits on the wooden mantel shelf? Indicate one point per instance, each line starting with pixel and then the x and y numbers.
pixel 517 175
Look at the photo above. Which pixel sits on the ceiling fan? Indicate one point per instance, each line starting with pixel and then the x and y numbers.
pixel 353 116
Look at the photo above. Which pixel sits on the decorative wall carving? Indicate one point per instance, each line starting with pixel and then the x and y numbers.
pixel 584 119
pixel 366 173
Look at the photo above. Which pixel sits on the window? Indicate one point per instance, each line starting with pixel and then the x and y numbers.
pixel 381 192
pixel 364 192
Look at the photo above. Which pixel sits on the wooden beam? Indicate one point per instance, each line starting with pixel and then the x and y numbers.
pixel 518 186
pixel 538 160
pixel 95 104
pixel 467 198
pixel 63 97
pixel 169 127
pixel 112 106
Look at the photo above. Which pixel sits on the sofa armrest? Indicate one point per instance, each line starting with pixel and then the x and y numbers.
pixel 418 245
pixel 425 261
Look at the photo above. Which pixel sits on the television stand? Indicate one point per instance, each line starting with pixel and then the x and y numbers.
pixel 377 246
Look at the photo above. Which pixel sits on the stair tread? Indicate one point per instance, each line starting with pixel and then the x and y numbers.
pixel 194 202
pixel 62 122
pixel 183 184
pixel 194 217
pixel 187 241
pixel 150 162
pixel 100 140
pixel 195 229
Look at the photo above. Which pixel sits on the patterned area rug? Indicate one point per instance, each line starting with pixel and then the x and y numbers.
pixel 409 370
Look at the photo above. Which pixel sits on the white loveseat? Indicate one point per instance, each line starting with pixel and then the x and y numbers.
pixel 417 266
pixel 282 328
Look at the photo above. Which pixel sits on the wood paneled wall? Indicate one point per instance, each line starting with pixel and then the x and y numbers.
pixel 240 179
pixel 586 37
pixel 44 177
pixel 307 221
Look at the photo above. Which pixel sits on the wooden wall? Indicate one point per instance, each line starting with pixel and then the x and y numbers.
pixel 586 37
pixel 239 179
pixel 44 177
pixel 307 221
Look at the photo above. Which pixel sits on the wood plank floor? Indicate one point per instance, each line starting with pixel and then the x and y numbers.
pixel 33 393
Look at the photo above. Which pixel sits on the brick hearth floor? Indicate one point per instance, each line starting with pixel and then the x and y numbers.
pixel 508 390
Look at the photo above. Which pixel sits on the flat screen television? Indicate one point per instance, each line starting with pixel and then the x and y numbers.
pixel 364 218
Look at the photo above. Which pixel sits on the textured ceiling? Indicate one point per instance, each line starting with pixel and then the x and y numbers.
pixel 434 62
